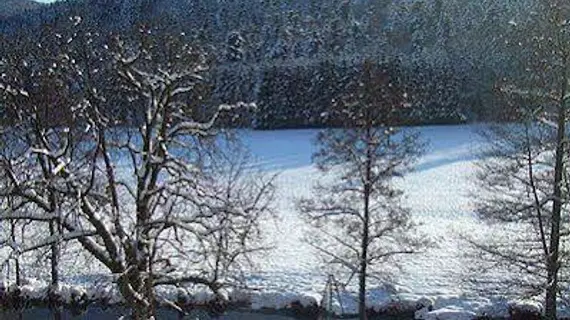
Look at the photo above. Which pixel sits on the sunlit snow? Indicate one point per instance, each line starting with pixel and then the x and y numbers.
pixel 439 192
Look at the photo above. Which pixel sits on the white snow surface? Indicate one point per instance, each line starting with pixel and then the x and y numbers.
pixel 447 313
pixel 438 193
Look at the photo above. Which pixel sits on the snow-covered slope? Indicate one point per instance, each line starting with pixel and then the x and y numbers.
pixel 439 192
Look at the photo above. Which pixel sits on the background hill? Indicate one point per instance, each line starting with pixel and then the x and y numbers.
pixel 9 8
pixel 293 57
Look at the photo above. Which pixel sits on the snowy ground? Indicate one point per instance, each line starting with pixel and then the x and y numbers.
pixel 438 192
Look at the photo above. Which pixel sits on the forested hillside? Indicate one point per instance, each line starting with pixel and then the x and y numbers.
pixel 13 7
pixel 294 57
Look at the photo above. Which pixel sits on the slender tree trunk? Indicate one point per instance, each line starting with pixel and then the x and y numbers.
pixel 148 280
pixel 552 259
pixel 365 233
pixel 17 259
pixel 363 262
pixel 54 232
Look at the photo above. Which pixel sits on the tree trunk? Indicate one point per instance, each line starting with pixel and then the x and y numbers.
pixel 363 265
pixel 365 231
pixel 134 290
pixel 54 232
pixel 18 272
pixel 552 259
pixel 136 285
pixel 142 312
pixel 17 259
pixel 54 259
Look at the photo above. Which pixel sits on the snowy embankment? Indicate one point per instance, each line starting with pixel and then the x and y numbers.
pixel 438 193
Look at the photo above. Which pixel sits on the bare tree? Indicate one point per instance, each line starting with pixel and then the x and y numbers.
pixel 36 135
pixel 524 179
pixel 156 201
pixel 358 215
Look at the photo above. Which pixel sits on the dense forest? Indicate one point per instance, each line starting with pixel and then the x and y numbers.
pixel 293 58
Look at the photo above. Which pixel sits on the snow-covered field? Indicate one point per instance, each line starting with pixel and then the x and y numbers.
pixel 439 192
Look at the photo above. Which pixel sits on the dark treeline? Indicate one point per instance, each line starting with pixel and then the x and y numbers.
pixel 294 58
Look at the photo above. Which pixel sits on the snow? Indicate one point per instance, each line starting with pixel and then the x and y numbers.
pixel 439 193
pixel 278 300
pixel 526 305
pixel 448 313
